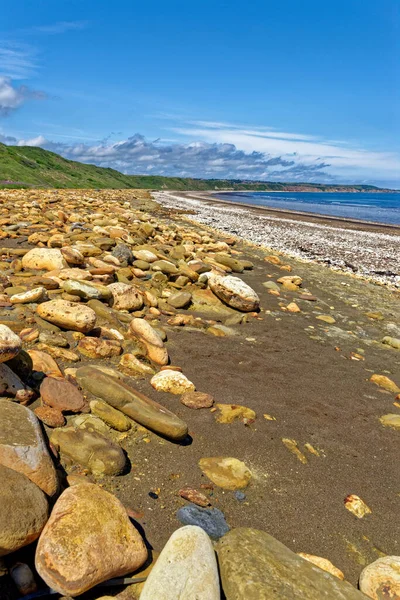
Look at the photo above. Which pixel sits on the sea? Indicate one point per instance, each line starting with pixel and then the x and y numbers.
pixel 371 206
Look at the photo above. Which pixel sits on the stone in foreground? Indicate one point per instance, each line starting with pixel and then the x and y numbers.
pixel 22 446
pixel 87 540
pixel 135 405
pixel 381 579
pixel 23 524
pixel 10 343
pixel 68 315
pixel 226 472
pixel 255 566
pixel 186 568
pixel 234 292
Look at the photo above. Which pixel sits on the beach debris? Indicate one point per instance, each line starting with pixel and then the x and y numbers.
pixel 355 505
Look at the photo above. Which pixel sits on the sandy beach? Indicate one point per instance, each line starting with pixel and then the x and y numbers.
pixel 370 250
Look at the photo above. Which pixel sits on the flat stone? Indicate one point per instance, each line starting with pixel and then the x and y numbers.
pixel 271 285
pixel 228 413
pixel 38 294
pixel 186 569
pixel 254 565
pixel 68 315
pixel 180 299
pixel 61 394
pixel 381 579
pixel 135 405
pixel 226 472
pixel 211 520
pixel 22 524
pixel 44 363
pixel 23 448
pixel 165 267
pixel 171 381
pixel 234 292
pixel 10 343
pixel 133 366
pixel 50 416
pixel 89 449
pixel 87 540
pixel 197 400
pixel 322 563
pixel 326 319
pixel 194 496
pixel 44 258
pixel 86 290
pixel 144 331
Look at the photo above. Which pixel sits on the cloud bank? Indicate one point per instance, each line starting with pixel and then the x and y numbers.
pixel 12 97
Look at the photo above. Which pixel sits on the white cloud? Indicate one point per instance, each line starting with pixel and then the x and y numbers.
pixel 17 60
pixel 12 97
pixel 55 28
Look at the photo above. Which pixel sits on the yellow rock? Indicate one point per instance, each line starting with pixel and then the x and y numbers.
pixel 293 447
pixel 226 472
pixel 232 412
pixel 391 420
pixel 293 308
pixel 323 563
pixel 326 319
pixel 355 505
pixel 385 383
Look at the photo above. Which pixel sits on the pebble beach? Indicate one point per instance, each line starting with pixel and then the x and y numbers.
pixel 189 397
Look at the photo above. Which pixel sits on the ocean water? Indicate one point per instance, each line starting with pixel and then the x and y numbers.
pixel 378 207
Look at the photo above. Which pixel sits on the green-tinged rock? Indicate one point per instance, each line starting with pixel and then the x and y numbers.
pixel 180 299
pixel 391 341
pixel 89 449
pixel 391 420
pixel 224 259
pixel 137 406
pixel 86 290
pixel 226 472
pixel 255 566
pixel 114 418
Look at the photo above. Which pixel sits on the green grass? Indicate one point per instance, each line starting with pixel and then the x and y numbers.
pixel 26 166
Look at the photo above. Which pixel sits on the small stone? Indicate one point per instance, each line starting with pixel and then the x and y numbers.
pixel 10 343
pixel 226 472
pixel 271 285
pixel 47 259
pixel 38 294
pixel 123 253
pixel 22 524
pixel 23 578
pixel 240 496
pixel 381 579
pixel 293 279
pixel 211 520
pixel 355 505
pixel 87 540
pixel 186 569
pixel 323 563
pixel 274 260
pixel 52 417
pixel 385 383
pixel 68 315
pixel 131 365
pixel 194 496
pixel 180 299
pixel 99 348
pixel 391 420
pixel 391 341
pixel 197 400
pixel 114 418
pixel 87 290
pixel 125 296
pixel 327 319
pixel 23 448
pixel 293 308
pixel 173 382
pixel 143 330
pixel 228 413
pixel 165 267
pixel 44 363
pixel 61 394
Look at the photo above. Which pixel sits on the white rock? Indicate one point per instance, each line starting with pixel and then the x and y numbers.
pixel 10 343
pixel 186 569
pixel 381 579
pixel 44 258
pixel 234 292
pixel 143 330
pixel 171 381
pixel 35 295
pixel 125 296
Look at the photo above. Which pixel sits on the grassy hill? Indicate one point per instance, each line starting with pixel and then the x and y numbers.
pixel 26 166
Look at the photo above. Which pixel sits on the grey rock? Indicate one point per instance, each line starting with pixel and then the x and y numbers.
pixel 212 520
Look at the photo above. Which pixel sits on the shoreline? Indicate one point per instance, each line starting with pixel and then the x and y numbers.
pixel 367 249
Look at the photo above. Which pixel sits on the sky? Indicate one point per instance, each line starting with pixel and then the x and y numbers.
pixel 283 91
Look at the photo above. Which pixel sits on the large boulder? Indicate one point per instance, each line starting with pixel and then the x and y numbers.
pixel 136 405
pixel 23 448
pixel 10 343
pixel 68 315
pixel 234 292
pixel 47 259
pixel 88 539
pixel 23 511
pixel 254 565
pixel 186 568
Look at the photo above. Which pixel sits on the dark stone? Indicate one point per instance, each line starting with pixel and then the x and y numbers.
pixel 212 520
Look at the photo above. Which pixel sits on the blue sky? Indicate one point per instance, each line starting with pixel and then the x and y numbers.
pixel 291 90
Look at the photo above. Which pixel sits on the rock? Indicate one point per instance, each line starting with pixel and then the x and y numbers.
pixel 21 525
pixel 355 505
pixel 232 412
pixel 165 266
pixel 391 341
pixel 145 255
pixel 294 279
pixel 61 394
pixel 145 332
pixel 90 449
pixel 44 363
pixel 385 383
pixel 99 348
pixel 381 579
pixel 38 294
pixel 47 259
pixel 186 569
pixel 326 318
pixel 52 417
pixel 234 292
pixel 211 520
pixel 173 382
pixel 323 563
pixel 23 578
pixel 271 285
pixel 391 420
pixel 274 260
pixel 254 565
pixel 226 472
pixel 86 290
pixel 132 366
pixel 73 256
pixel 10 343
pixel 11 386
pixel 194 496
pixel 123 253
pixel 125 296
pixel 135 405
pixel 114 418
pixel 23 448
pixel 68 315
pixel 53 338
pixel 293 307
pixel 197 400
pixel 180 299
pixel 87 540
